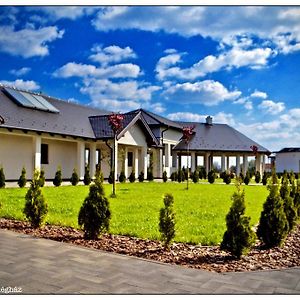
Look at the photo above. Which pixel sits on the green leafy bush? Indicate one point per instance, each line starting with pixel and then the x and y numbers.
pixel 22 179
pixel 42 178
pixel 36 208
pixel 74 178
pixel 273 225
pixel 2 178
pixel 87 177
pixel 211 176
pixel 165 176
pixel 167 220
pixel 132 177
pixel 239 237
pixel 58 177
pixel 122 177
pixel 94 215
pixel 141 177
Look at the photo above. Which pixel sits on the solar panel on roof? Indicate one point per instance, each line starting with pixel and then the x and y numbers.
pixel 19 98
pixel 49 106
pixel 34 101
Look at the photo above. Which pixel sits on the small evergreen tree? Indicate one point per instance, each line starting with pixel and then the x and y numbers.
pixel 111 177
pixel 273 225
pixel 150 176
pixel 242 176
pixel 122 177
pixel 247 178
pixel 288 202
pixel 165 176
pixel 167 220
pixel 174 176
pixel 58 177
pixel 132 177
pixel 42 178
pixel 2 178
pixel 74 178
pixel 141 177
pixel 180 176
pixel 239 237
pixel 195 176
pixel 292 177
pixel 257 177
pixel 22 179
pixel 297 199
pixel 202 173
pixel 211 176
pixel 87 177
pixel 185 174
pixel 264 178
pixel 227 178
pixel 94 214
pixel 35 209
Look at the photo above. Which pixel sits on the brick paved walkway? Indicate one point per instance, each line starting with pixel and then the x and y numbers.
pixel 41 266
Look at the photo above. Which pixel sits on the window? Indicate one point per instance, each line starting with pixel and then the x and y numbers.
pixel 130 159
pixel 44 154
pixel 87 156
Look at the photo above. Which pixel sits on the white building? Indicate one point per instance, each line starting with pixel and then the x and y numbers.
pixel 288 159
pixel 38 131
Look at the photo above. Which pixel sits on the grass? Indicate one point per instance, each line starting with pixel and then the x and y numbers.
pixel 200 211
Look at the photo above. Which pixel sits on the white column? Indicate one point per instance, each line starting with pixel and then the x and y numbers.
pixel 145 161
pixel 207 162
pixel 92 159
pixel 126 163
pixel 37 141
pixel 258 163
pixel 80 159
pixel 167 151
pixel 193 161
pixel 160 159
pixel 245 164
pixel 223 162
pixel 238 165
pixel 116 160
pixel 136 162
pixel 228 163
pixel 263 163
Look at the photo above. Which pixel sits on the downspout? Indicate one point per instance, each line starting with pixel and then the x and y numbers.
pixel 162 143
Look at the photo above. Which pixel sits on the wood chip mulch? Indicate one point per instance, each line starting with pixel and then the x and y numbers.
pixel 209 258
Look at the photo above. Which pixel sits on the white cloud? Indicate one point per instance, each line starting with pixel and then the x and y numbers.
pixel 111 54
pixel 206 92
pixel 73 69
pixel 29 85
pixel 248 105
pixel 272 107
pixel 258 94
pixel 28 42
pixel 20 72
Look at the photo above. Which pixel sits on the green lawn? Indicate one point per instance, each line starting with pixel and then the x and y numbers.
pixel 200 211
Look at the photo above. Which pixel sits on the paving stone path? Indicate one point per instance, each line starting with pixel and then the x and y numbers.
pixel 41 266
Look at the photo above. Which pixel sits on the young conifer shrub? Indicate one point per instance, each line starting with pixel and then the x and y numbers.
pixel 227 178
pixel 180 176
pixel 211 176
pixel 241 176
pixel 74 178
pixel 297 199
pixel 94 215
pixel 239 237
pixel 22 179
pixel 174 176
pixel 42 178
pixel 141 177
pixel 257 177
pixel 288 202
pixel 2 178
pixel 292 177
pixel 122 177
pixel 202 173
pixel 167 220
pixel 247 178
pixel 264 178
pixel 150 176
pixel 273 225
pixel 195 176
pixel 165 176
pixel 132 177
pixel 87 177
pixel 36 208
pixel 111 177
pixel 58 177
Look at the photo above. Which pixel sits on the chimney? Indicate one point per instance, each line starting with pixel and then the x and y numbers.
pixel 208 120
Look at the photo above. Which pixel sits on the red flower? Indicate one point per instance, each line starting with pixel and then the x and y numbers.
pixel 187 133
pixel 254 149
pixel 115 121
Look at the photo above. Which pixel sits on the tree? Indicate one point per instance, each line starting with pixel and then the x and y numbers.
pixel 202 173
pixel 257 177
pixel 195 176
pixel 122 177
pixel 94 214
pixel 22 179
pixel 247 178
pixel 42 178
pixel 239 237
pixel 87 177
pixel 132 177
pixel 211 176
pixel 36 208
pixel 165 176
pixel 174 176
pixel 141 176
pixel 273 225
pixel 2 178
pixel 297 199
pixel 74 178
pixel 264 178
pixel 111 177
pixel 150 175
pixel 167 220
pixel 180 176
pixel 288 202
pixel 58 177
pixel 227 178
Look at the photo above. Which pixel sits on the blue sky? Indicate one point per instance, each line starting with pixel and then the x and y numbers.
pixel 239 64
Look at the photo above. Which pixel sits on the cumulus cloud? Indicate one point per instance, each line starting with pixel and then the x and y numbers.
pixel 29 85
pixel 259 94
pixel 271 107
pixel 207 92
pixel 20 72
pixel 28 42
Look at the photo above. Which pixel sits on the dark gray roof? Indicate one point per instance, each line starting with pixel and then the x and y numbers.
pixel 72 119
pixel 218 137
pixel 288 150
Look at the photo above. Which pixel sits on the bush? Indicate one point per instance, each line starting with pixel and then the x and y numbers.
pixel 141 177
pixel 292 177
pixel 264 178
pixel 223 175
pixel 122 177
pixel 167 220
pixel 211 176
pixel 74 178
pixel 87 177
pixel 35 209
pixel 132 177
pixel 94 214
pixel 273 225
pixel 247 178
pixel 165 176
pixel 257 177
pixel 174 176
pixel 288 202
pixel 239 237
pixel 2 178
pixel 297 199
pixel 195 176
pixel 180 176
pixel 58 177
pixel 111 177
pixel 227 178
pixel 202 173
pixel 22 179
pixel 42 178
pixel 242 177
pixel 231 174
pixel 185 174
pixel 150 175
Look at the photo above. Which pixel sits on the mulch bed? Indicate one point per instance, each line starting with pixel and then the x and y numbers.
pixel 209 258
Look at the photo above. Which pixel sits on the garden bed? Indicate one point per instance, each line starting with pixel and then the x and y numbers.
pixel 208 258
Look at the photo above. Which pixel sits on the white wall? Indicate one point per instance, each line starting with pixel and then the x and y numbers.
pixel 288 161
pixel 172 135
pixel 134 136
